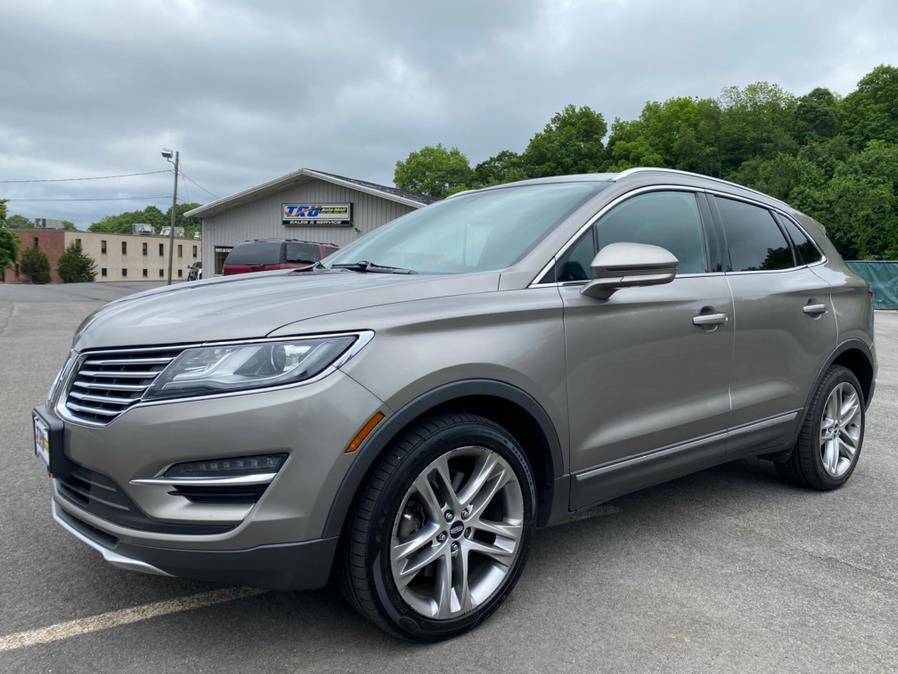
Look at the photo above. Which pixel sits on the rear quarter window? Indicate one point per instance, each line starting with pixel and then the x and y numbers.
pixel 805 250
pixel 255 253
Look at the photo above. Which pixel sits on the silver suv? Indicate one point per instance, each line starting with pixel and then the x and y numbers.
pixel 401 416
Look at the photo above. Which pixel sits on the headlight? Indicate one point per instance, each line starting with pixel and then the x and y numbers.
pixel 238 367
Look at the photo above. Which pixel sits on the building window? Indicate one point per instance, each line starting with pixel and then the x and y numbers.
pixel 194 252
pixel 180 250
pixel 145 248
pixel 103 272
pixel 124 247
pixel 103 247
pixel 180 273
pixel 161 274
pixel 124 272
pixel 221 252
pixel 161 249
pixel 146 273
pixel 78 243
pixel 37 242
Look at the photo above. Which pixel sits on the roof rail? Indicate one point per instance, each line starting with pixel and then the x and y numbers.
pixel 640 169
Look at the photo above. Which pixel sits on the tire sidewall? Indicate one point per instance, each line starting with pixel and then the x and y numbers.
pixel 836 376
pixel 390 603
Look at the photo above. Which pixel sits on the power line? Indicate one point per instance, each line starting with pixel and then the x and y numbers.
pixel 198 185
pixel 135 198
pixel 68 180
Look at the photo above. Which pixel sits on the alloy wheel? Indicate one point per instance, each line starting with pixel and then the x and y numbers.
pixel 457 533
pixel 840 429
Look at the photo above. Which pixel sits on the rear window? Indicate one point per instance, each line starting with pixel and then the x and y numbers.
pixel 302 252
pixel 255 253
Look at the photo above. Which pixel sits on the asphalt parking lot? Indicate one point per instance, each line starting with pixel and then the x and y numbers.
pixel 727 570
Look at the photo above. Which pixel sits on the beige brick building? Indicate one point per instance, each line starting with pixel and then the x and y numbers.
pixel 119 257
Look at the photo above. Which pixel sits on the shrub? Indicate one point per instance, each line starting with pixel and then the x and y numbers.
pixel 75 266
pixel 35 265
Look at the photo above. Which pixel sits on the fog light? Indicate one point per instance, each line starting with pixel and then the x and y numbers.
pixel 232 467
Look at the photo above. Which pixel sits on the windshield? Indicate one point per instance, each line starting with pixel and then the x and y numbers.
pixel 482 231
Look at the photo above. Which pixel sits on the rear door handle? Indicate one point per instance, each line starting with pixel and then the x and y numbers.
pixel 814 309
pixel 709 319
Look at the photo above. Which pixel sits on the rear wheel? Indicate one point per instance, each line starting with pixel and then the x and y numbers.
pixel 830 440
pixel 440 531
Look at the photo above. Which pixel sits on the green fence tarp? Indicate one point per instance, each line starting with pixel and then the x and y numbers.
pixel 883 279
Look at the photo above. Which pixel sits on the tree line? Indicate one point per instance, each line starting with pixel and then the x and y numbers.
pixel 834 158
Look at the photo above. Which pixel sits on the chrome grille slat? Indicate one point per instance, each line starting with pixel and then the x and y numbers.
pixel 124 374
pixel 92 410
pixel 108 386
pixel 128 361
pixel 108 383
pixel 103 399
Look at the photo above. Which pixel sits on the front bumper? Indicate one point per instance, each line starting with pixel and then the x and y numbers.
pixel 276 542
pixel 292 566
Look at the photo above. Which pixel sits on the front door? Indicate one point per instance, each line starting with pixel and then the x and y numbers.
pixel 649 368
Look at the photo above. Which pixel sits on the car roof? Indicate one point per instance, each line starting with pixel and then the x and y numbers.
pixel 647 175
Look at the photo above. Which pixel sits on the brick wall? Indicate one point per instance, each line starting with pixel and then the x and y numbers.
pixel 52 242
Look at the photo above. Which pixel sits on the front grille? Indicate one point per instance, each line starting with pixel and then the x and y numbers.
pixel 109 382
pixel 100 496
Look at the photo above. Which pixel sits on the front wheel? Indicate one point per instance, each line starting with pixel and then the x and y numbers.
pixel 439 534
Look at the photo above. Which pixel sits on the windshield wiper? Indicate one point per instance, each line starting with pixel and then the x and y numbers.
pixel 370 267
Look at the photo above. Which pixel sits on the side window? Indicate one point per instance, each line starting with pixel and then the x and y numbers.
pixel 805 250
pixel 575 264
pixel 667 219
pixel 754 240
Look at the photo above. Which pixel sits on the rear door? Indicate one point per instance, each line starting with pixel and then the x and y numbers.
pixel 643 374
pixel 785 328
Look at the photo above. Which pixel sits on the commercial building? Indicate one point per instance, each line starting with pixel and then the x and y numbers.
pixel 119 257
pixel 306 204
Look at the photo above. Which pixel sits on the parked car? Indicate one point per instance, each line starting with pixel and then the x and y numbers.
pixel 195 273
pixel 270 254
pixel 405 414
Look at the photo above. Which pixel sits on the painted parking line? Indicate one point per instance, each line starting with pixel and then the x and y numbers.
pixel 125 616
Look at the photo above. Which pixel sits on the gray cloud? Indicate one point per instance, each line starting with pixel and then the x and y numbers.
pixel 249 91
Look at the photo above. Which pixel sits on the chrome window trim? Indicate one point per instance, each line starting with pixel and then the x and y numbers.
pixel 364 338
pixel 681 188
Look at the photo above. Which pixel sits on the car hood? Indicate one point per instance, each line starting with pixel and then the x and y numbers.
pixel 253 305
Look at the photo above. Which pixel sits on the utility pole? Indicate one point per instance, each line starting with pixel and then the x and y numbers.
pixel 174 205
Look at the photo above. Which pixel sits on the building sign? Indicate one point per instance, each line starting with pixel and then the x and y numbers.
pixel 295 215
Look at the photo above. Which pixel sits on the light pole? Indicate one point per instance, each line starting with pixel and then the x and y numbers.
pixel 174 203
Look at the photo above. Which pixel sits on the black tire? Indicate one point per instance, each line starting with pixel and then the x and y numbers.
pixel 805 465
pixel 365 573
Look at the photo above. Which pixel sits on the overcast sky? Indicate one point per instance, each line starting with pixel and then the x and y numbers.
pixel 249 91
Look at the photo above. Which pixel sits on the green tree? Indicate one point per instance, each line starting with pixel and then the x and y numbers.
pixel 19 222
pixel 780 176
pixel 2 211
pixel 75 266
pixel 121 223
pixel 35 265
pixel 816 116
pixel 680 133
pixel 434 170
pixel 871 111
pixel 69 226
pixel 504 167
pixel 756 121
pixel 572 142
pixel 9 248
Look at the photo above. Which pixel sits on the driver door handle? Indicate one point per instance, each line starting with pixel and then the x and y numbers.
pixel 814 309
pixel 709 319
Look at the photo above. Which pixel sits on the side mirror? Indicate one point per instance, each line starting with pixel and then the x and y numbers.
pixel 625 265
